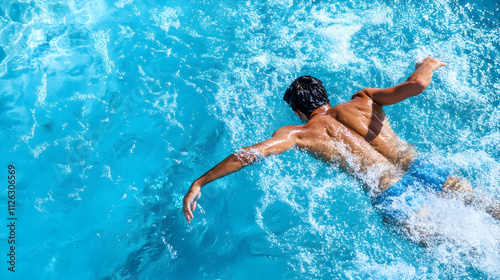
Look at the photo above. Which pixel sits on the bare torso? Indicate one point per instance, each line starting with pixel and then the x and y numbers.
pixel 357 136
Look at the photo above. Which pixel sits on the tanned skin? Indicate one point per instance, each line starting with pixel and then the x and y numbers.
pixel 354 134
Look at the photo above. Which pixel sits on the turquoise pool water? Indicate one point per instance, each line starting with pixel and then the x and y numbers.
pixel 110 109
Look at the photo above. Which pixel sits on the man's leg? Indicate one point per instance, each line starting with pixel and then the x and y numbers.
pixel 461 188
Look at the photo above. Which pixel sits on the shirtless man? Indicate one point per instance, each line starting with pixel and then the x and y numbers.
pixel 357 136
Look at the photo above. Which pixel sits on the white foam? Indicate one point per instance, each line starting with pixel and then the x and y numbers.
pixel 42 91
pixel 106 172
pixel 39 149
pixel 101 40
pixel 166 17
pixel 122 3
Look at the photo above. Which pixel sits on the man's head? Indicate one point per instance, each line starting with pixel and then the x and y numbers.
pixel 305 95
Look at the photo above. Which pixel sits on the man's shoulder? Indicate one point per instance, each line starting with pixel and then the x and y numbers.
pixel 364 94
pixel 362 97
pixel 312 127
pixel 359 98
pixel 288 129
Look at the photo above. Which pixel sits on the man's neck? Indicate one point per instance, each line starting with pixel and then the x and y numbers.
pixel 323 109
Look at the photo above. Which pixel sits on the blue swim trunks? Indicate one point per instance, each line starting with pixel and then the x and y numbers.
pixel 402 200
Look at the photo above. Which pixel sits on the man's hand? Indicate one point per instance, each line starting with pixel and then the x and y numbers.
pixel 192 196
pixel 434 63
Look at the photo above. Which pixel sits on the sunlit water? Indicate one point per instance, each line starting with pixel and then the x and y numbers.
pixel 109 110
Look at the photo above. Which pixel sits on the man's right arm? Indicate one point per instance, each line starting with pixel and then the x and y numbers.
pixel 283 139
pixel 414 85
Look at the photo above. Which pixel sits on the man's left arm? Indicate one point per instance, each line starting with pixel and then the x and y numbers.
pixel 414 85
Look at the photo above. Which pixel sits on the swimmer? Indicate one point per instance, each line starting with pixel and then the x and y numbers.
pixel 356 136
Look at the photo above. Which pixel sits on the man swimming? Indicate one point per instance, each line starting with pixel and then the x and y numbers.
pixel 356 136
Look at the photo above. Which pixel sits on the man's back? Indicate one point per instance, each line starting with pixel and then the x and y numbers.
pixel 356 135
pixel 366 118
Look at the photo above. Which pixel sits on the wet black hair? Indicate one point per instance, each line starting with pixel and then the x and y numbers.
pixel 306 94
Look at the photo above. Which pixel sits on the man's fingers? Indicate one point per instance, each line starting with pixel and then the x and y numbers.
pixel 188 214
pixel 190 203
pixel 187 211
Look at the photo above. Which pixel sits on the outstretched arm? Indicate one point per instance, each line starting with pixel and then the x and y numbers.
pixel 282 140
pixel 414 85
